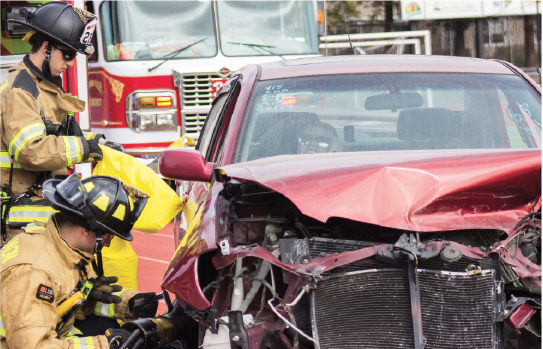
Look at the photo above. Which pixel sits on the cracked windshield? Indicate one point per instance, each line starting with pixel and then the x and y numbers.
pixel 382 112
pixel 132 32
pixel 269 28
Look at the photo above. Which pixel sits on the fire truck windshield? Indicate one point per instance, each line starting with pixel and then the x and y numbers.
pixel 146 30
pixel 267 27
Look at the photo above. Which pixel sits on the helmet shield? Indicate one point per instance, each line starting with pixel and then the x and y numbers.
pixel 70 26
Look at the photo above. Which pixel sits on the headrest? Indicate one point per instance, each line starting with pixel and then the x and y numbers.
pixel 419 124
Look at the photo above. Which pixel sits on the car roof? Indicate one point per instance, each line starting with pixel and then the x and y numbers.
pixel 355 64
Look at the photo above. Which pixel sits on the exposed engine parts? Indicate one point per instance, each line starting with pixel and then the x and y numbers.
pixel 285 280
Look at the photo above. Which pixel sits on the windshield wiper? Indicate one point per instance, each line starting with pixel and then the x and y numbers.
pixel 175 53
pixel 255 46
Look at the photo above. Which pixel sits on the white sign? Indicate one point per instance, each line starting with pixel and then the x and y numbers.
pixel 424 9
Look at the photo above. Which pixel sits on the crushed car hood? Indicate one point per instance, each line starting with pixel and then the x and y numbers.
pixel 421 191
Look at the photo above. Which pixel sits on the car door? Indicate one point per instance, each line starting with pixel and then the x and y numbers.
pixel 193 194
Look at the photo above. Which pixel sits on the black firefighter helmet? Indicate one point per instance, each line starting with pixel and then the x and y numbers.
pixel 102 204
pixel 69 26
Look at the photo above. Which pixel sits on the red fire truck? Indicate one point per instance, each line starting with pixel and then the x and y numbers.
pixel 158 64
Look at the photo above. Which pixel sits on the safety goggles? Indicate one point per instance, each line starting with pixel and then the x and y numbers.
pixel 68 55
pixel 322 141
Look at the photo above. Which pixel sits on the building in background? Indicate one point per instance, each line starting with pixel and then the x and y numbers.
pixel 508 30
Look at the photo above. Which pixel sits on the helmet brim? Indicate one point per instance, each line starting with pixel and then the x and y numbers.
pixel 49 35
pixel 50 191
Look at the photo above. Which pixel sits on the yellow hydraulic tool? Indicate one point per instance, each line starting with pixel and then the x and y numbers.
pixel 75 301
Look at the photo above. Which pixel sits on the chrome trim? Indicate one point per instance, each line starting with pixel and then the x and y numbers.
pixel 132 111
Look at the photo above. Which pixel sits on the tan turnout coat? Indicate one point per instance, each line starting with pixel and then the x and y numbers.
pixel 26 102
pixel 37 262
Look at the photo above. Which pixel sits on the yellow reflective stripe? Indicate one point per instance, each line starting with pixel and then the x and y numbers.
pixel 2 328
pixel 5 160
pixel 82 342
pixel 89 135
pixel 73 331
pixel 3 86
pixel 10 250
pixel 25 208
pixel 29 213
pixel 25 135
pixel 106 309
pixel 73 149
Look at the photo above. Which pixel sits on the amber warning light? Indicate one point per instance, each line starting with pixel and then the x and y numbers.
pixel 154 102
pixel 320 17
pixel 289 100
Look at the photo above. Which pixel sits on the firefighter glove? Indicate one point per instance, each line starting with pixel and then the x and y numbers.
pixel 53 129
pixel 112 145
pixel 95 153
pixel 116 337
pixel 143 305
pixel 102 290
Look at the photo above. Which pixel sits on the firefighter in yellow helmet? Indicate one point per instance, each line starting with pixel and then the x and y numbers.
pixel 39 135
pixel 47 265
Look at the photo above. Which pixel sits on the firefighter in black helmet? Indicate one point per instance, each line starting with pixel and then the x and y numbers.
pixel 39 135
pixel 47 263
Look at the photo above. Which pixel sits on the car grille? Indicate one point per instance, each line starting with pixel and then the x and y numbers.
pixel 372 309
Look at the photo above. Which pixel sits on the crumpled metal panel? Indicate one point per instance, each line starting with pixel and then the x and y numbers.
pixel 421 191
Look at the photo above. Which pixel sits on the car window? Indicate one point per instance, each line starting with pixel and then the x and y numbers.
pixel 209 125
pixel 382 112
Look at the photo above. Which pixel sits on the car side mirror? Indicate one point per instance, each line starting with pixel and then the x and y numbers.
pixel 185 165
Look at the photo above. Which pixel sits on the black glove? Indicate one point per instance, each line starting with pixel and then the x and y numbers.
pixel 141 305
pixel 112 145
pixel 102 290
pixel 53 129
pixel 95 153
pixel 116 337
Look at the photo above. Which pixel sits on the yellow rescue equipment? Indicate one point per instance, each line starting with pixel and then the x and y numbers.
pixel 163 203
pixel 120 259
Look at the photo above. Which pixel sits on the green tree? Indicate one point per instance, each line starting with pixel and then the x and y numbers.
pixel 334 15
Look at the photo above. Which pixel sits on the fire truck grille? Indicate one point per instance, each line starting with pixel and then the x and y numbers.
pixel 193 122
pixel 197 90
pixel 372 309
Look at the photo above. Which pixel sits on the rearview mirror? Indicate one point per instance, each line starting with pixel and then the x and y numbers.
pixel 185 165
pixel 394 101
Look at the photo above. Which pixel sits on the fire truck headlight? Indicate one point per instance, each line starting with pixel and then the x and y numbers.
pixel 165 119
pixel 147 119
pixel 151 110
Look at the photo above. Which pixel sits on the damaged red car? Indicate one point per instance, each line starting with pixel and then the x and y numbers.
pixel 363 202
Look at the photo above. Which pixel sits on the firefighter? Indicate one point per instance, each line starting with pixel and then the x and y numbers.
pixel 47 264
pixel 39 135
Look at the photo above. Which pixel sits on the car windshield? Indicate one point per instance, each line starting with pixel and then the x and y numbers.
pixel 249 28
pixel 385 112
pixel 145 30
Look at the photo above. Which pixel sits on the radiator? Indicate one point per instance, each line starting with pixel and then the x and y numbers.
pixel 371 309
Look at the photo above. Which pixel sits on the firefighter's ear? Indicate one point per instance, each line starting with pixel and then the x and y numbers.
pixel 43 47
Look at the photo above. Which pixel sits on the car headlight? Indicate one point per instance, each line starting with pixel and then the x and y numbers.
pixel 151 110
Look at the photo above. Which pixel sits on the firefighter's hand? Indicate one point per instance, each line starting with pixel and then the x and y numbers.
pixel 143 305
pixel 112 145
pixel 116 337
pixel 102 290
pixel 95 153
pixel 53 129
